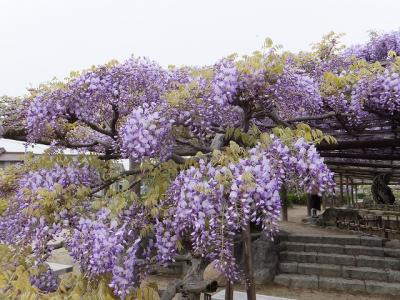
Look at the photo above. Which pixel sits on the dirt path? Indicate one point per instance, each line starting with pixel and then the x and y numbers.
pixel 299 294
pixel 295 225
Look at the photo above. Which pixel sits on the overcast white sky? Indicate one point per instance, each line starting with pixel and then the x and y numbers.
pixel 40 39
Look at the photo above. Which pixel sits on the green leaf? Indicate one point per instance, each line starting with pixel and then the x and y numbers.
pixel 237 133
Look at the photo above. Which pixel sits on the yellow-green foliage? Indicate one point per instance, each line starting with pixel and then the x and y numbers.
pixel 269 60
pixel 248 139
pixel 251 138
pixel 15 272
pixel 304 131
pixel 334 84
pixel 329 46
pixel 183 93
pixel 158 181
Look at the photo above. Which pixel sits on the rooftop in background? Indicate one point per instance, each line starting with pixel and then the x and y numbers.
pixel 15 150
pixel 12 146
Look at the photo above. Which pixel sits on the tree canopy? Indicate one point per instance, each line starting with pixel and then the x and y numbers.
pixel 211 147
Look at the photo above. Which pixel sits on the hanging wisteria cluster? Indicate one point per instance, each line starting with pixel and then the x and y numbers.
pixel 45 190
pixel 377 49
pixel 212 204
pixel 380 93
pixel 296 93
pixel 46 280
pixel 141 134
pixel 106 245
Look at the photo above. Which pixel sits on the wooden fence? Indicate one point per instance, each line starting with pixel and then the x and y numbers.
pixel 387 226
pixel 377 206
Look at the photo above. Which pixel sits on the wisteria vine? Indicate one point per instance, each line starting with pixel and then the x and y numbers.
pixel 153 115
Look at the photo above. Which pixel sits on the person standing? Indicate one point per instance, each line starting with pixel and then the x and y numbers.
pixel 315 203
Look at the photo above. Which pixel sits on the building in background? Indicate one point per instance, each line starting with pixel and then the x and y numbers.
pixel 12 152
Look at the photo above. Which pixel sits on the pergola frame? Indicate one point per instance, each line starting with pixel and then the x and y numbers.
pixel 359 154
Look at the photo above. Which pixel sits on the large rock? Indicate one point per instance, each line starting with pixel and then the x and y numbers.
pixel 266 259
pixel 330 215
pixel 212 273
pixel 394 244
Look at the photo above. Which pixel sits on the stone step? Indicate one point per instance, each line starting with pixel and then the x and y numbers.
pixel 337 284
pixel 243 296
pixel 347 272
pixel 342 249
pixel 341 259
pixel 336 239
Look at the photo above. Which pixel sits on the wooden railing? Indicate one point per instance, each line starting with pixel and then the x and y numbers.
pixel 377 206
pixel 387 226
pixel 207 296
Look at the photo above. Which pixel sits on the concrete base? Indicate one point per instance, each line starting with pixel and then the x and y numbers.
pixel 243 296
pixel 60 269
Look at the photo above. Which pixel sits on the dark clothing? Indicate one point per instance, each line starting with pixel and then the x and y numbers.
pixel 315 202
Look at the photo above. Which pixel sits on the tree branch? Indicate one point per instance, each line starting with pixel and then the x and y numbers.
pixel 114 179
pixel 274 117
pixel 178 159
pixel 189 143
pixel 192 283
pixel 98 128
pixel 114 119
pixel 317 117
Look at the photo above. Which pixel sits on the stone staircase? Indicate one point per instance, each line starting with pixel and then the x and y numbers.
pixel 347 263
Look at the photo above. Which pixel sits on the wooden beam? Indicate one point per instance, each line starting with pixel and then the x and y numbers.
pixel 342 169
pixel 356 191
pixel 360 164
pixel 361 155
pixel 352 191
pixel 365 132
pixel 317 117
pixel 341 145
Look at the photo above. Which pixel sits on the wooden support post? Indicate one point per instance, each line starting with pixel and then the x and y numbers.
pixel 356 190
pixel 229 285
pixel 341 189
pixel 352 192
pixel 284 200
pixel 248 263
pixel 347 191
pixel 229 290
